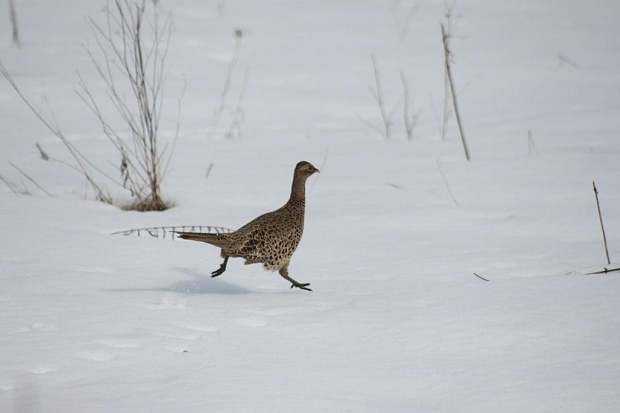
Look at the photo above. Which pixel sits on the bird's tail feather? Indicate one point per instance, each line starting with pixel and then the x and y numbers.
pixel 219 240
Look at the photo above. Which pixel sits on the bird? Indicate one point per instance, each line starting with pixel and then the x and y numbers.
pixel 270 239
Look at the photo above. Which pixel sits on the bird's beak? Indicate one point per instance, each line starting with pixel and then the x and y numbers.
pixel 316 170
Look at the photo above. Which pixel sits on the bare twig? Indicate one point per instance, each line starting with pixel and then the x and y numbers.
pixel 378 95
pixel 600 217
pixel 452 89
pixel 215 119
pixel 482 278
pixel 370 125
pixel 410 117
pixel 131 49
pixel 14 25
pixel 604 271
pixel 531 146
pixel 238 113
pixel 403 28
pixel 22 191
pixel 176 132
pixel 209 170
pixel 445 181
pixel 447 110
pixel 565 60
pixel 410 16
pixel 42 152
pixel 30 179
pixel 53 127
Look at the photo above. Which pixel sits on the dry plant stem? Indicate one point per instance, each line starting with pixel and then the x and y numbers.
pixel 132 46
pixel 402 29
pixel 445 181
pixel 600 217
pixel 235 124
pixel 30 179
pixel 405 27
pixel 452 91
pixel 209 170
pixel 410 118
pixel 378 95
pixel 604 271
pixel 22 191
pixel 447 112
pixel 53 127
pixel 14 25
pixel 531 146
pixel 215 119
pixel 482 278
pixel 565 60
pixel 44 155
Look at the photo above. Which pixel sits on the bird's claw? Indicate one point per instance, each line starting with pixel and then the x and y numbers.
pixel 218 272
pixel 303 286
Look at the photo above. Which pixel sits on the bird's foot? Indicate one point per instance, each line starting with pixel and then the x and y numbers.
pixel 222 268
pixel 303 286
pixel 219 271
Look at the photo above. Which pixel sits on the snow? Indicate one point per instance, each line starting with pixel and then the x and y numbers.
pixel 397 321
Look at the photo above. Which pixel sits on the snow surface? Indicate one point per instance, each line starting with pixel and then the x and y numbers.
pixel 397 320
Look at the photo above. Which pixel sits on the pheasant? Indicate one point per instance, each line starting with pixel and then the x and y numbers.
pixel 270 239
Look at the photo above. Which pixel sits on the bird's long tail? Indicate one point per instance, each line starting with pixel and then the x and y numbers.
pixel 219 240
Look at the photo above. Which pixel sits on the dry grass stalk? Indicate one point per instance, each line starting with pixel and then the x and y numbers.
pixel 217 114
pixel 14 24
pixel 448 59
pixel 600 217
pixel 531 146
pixel 377 93
pixel 84 166
pixel 410 117
pixel 130 53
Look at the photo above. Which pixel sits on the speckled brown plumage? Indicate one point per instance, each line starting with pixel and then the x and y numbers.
pixel 270 239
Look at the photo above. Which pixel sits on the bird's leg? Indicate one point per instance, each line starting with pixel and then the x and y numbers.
pixel 222 268
pixel 284 273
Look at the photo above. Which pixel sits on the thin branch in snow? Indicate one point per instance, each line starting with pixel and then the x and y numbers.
pixel 209 170
pixel 28 177
pixel 567 61
pixel 600 217
pixel 215 119
pixel 445 181
pixel 410 117
pixel 14 24
pixel 378 95
pixel 22 191
pixel 482 278
pixel 531 146
pixel 447 56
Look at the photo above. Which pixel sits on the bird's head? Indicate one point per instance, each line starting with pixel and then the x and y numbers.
pixel 305 169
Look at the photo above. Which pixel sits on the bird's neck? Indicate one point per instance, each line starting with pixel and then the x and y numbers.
pixel 298 190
